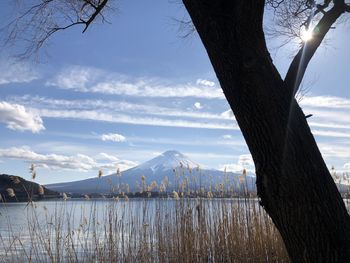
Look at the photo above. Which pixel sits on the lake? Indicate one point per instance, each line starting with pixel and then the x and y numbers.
pixel 137 230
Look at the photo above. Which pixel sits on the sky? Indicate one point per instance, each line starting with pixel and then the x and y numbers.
pixel 128 90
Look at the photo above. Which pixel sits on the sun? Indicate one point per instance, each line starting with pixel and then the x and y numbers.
pixel 306 35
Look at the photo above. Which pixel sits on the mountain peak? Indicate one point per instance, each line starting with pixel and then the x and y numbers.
pixel 173 153
pixel 167 160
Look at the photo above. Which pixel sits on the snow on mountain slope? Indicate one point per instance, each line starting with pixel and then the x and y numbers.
pixel 165 161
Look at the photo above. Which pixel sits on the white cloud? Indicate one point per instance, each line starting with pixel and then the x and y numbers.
pixel 124 112
pixel 75 78
pixel 114 137
pixel 245 161
pixel 329 125
pixel 326 102
pixel 336 134
pixel 227 136
pixel 123 118
pixel 335 150
pixel 112 106
pixel 186 142
pixel 198 105
pixel 346 166
pixel 16 117
pixel 323 122
pixel 78 162
pixel 205 82
pixel 335 117
pixel 92 80
pixel 148 89
pixel 231 167
pixel 12 72
pixel 228 114
pixel 105 156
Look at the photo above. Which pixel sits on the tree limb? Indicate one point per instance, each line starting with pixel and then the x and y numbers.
pixel 300 62
pixel 98 9
pixel 35 25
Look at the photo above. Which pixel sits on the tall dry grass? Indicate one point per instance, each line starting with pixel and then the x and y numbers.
pixel 143 230
pixel 192 225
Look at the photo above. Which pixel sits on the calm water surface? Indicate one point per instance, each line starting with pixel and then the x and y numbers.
pixel 24 226
pixel 14 217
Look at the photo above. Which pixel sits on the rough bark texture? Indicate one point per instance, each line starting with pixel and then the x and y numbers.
pixel 293 181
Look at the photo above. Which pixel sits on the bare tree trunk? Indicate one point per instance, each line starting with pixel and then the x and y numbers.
pixel 293 181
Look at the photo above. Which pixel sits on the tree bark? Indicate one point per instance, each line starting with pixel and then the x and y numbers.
pixel 293 182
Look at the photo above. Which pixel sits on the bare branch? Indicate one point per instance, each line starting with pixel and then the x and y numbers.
pixel 35 24
pixel 290 16
pixel 300 62
pixel 98 10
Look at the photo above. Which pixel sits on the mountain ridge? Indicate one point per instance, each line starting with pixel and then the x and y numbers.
pixel 170 165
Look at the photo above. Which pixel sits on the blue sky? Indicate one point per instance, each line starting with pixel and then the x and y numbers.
pixel 127 91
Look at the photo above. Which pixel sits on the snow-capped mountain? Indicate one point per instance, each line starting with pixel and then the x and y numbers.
pixel 172 166
pixel 165 161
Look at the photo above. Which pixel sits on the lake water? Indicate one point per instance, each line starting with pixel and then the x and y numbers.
pixel 56 231
pixel 14 216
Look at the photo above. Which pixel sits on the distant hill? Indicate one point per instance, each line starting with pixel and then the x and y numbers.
pixel 171 169
pixel 23 190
